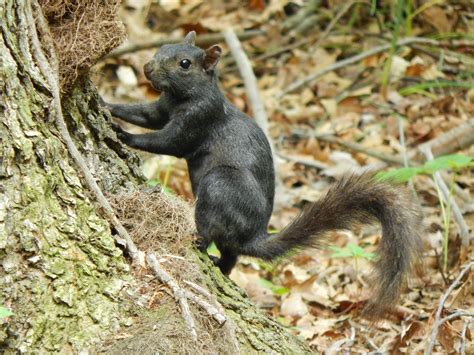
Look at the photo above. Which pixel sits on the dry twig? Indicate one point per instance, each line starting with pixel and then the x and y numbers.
pixel 455 139
pixel 462 349
pixel 248 76
pixel 209 308
pixel 354 59
pixel 201 40
pixel 361 149
pixel 178 292
pixel 229 325
pixel 312 163
pixel 199 289
pixel 463 228
pixel 438 321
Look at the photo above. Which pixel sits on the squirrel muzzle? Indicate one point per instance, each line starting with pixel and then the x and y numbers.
pixel 148 69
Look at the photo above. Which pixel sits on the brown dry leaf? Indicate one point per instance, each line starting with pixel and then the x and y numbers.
pixel 294 275
pixel 317 328
pixel 372 61
pixel 249 280
pixel 256 5
pixel 446 336
pixel 415 69
pixel 293 306
pixel 402 339
pixel 436 16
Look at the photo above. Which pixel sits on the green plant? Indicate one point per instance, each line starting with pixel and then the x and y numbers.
pixel 352 251
pixel 422 87
pixel 212 250
pixel 276 289
pixel 4 312
pixel 410 14
pixel 454 162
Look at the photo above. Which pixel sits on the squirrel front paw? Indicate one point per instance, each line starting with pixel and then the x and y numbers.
pixel 121 134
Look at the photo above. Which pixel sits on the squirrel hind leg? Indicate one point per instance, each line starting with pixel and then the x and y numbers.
pixel 227 261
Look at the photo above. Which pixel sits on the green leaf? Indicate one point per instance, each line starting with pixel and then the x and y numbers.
pixel 434 85
pixel 276 290
pixel 212 250
pixel 4 312
pixel 340 252
pixel 399 175
pixel 351 251
pixel 445 162
pixel 152 182
pixel 359 252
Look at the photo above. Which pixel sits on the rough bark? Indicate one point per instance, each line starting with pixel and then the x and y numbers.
pixel 60 271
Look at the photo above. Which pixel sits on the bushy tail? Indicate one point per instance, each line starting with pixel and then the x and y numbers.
pixel 351 201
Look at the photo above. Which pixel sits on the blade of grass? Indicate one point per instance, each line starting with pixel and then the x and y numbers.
pixel 407 90
pixel 393 45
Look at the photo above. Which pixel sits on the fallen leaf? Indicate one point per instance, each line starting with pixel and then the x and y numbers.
pixel 293 306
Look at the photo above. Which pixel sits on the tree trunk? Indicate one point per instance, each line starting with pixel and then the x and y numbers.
pixel 61 273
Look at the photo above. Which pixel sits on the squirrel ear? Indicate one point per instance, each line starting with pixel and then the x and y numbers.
pixel 212 57
pixel 190 38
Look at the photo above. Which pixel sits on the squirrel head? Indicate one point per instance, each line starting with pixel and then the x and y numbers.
pixel 183 69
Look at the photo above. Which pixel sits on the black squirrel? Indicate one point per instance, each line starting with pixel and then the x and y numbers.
pixel 232 176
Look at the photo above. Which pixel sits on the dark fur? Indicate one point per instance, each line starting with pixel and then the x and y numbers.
pixel 231 169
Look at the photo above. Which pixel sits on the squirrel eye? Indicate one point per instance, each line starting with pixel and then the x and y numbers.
pixel 185 63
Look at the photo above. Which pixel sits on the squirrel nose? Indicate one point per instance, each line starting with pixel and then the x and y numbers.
pixel 148 68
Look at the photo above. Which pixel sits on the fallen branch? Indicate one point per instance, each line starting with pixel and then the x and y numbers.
pixel 306 40
pixel 354 59
pixel 178 292
pixel 209 308
pixel 248 76
pixel 199 289
pixel 229 325
pixel 438 321
pixel 50 71
pixel 283 49
pixel 312 163
pixel 455 139
pixel 201 40
pixel 389 159
pixel 213 311
pixel 463 228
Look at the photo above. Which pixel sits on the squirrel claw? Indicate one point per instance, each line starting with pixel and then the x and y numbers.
pixel 116 128
pixel 121 134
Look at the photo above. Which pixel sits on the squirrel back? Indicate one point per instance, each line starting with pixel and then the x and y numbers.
pixel 230 165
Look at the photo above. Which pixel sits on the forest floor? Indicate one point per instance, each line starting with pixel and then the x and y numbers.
pixel 371 113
